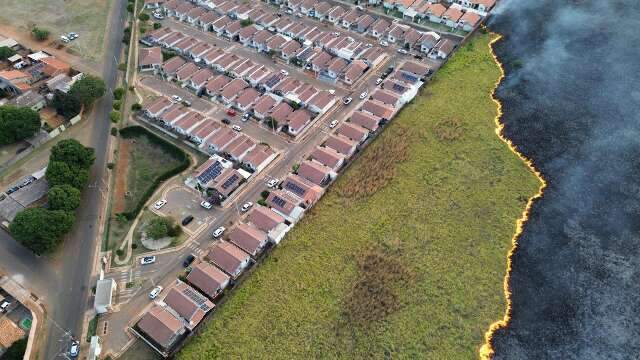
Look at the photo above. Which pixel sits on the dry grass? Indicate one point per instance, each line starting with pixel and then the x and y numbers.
pixel 448 130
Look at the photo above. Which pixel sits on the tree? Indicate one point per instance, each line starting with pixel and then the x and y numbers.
pixel 40 34
pixel 17 123
pixel 130 7
pixel 157 26
pixel 40 229
pixel 246 22
pixel 60 173
pixel 144 17
pixel 16 350
pixel 70 151
pixel 63 197
pixel 6 52
pixel 65 105
pixel 114 116
pixel 136 107
pixel 88 89
pixel 118 93
pixel 161 227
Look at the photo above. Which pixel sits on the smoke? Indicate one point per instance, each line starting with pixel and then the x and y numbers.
pixel 571 103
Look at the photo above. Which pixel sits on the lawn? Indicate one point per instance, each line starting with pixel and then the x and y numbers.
pixel 405 255
pixel 88 18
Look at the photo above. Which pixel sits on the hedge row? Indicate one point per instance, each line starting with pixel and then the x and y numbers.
pixel 137 131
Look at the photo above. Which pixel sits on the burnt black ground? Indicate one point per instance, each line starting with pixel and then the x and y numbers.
pixel 571 102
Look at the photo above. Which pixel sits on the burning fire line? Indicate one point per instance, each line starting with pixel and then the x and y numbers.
pixel 486 351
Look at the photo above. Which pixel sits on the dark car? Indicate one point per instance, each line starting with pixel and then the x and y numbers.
pixel 187 220
pixel 189 259
pixel 226 121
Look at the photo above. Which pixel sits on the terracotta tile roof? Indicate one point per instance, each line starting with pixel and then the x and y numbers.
pixel 248 238
pixel 385 97
pixel 326 156
pixel 231 90
pixel 208 278
pixel 280 112
pixel 378 109
pixel 436 9
pixel 161 326
pixel 186 71
pixel 227 257
pixel 352 131
pixel 263 218
pixel 215 84
pixel 256 156
pixel 247 97
pixel 470 18
pixel 453 14
pixel 365 120
pixel 201 76
pixel 355 70
pixel 341 144
pixel 188 303
pixel 314 172
pixel 171 65
pixel 298 119
pixel 282 201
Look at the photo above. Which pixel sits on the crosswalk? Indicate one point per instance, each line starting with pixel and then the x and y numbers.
pixel 196 249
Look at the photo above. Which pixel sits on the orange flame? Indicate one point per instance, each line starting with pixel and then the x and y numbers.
pixel 486 350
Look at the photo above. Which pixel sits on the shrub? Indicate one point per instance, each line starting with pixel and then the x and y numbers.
pixel 118 93
pixel 265 194
pixel 6 52
pixel 110 165
pixel 40 34
pixel 157 26
pixel 114 116
pixel 114 131
pixel 144 17
pixel 136 107
pixel 161 227
pixel 262 202
pixel 119 252
pixel 116 105
pixel 122 67
pixel 130 7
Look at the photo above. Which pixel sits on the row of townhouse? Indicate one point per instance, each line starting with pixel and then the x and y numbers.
pixel 464 14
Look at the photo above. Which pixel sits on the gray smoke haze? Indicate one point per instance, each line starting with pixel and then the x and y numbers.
pixel 571 103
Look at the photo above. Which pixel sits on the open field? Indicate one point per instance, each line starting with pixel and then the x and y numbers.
pixel 88 18
pixel 405 255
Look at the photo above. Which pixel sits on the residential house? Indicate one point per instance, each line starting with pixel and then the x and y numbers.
pixel 283 24
pixel 366 120
pixel 248 238
pixel 239 147
pixel 215 85
pixel 212 56
pixel 199 51
pixel 171 66
pixel 182 11
pixel 378 109
pixel 157 35
pixel 173 114
pixel 320 62
pixel 280 113
pixel 289 50
pixel 469 21
pixel 219 25
pixel 373 56
pixel 232 29
pixel 403 5
pixel 308 192
pixel 315 172
pixel 416 70
pixel 327 157
pixel 185 44
pixel 335 14
pixel 268 221
pixel 435 12
pixel 354 71
pixel 285 205
pixel 153 4
pixel 259 40
pixel 149 59
pixel 341 144
pixel 228 258
pixel 228 181
pixel 157 107
pixel 350 18
pixel 246 34
pixel 207 19
pixel 352 131
pixel 336 67
pixel 60 83
pixel 307 7
pixel 321 102
pixel 226 61
pixel 428 41
pixel 246 98
pixel 210 280
pixel 321 10
pixel 54 66
pixel 258 157
pixel 232 89
pixel 29 99
pixel 481 5
pixel 297 121
pixel 396 32
pixel 452 16
pixel 188 303
pixel 443 49
pixel 263 105
pixel 171 6
pixel 194 14
pixel 294 5
pixel 411 39
pixel 14 81
pixel 186 71
pixel 275 42
pixel 387 97
pixel 188 122
pixel 379 27
pixel 198 81
pixel 162 328
pixel 220 139
pixel 364 22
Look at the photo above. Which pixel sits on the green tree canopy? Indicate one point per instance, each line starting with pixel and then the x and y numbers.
pixel 88 89
pixel 17 123
pixel 65 105
pixel 41 230
pixel 40 34
pixel 60 173
pixel 16 350
pixel 63 197
pixel 73 153
pixel 6 52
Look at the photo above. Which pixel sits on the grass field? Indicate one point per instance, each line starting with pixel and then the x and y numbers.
pixel 88 18
pixel 405 255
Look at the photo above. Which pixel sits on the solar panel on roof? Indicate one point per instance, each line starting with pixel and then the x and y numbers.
pixel 279 201
pixel 211 173
pixel 398 88
pixel 196 297
pixel 295 188
pixel 230 181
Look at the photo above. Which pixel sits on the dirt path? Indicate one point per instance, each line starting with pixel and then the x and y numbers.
pixel 119 202
pixel 25 39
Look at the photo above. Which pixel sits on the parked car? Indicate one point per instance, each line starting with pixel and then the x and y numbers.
pixel 207 205
pixel 246 117
pixel 403 51
pixel 363 95
pixel 4 306
pixel 158 15
pixel 186 103
pixel 147 260
pixel 155 292
pixel 284 72
pixel 332 91
pixel 226 121
pixel 64 39
pixel 384 43
pixel 218 232
pixel 236 128
pixel 359 7
pixel 188 260
pixel 273 183
pixel 289 11
pixel 378 81
pixel 347 100
pixel 176 98
pixel 246 206
pixel 336 34
pixel 72 36
pixel 74 349
pixel 159 204
pixel 231 112
pixel 333 124
pixel 187 220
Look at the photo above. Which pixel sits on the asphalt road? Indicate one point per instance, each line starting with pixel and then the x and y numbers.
pixel 66 306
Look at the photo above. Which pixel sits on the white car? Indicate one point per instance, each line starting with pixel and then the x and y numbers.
pixel 284 72
pixel 64 39
pixel 74 350
pixel 159 204
pixel 403 51
pixel 364 95
pixel 72 36
pixel 207 205
pixel 378 81
pixel 218 232
pixel 332 91
pixel 155 292
pixel 273 183
pixel 147 260
pixel 236 128
pixel 4 306
pixel 384 43
pixel 246 117
pixel 289 11
pixel 158 15
pixel 347 100
pixel 176 98
pixel 333 124
pixel 246 206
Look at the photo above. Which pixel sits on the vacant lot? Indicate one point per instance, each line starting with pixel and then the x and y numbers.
pixel 405 256
pixel 88 18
